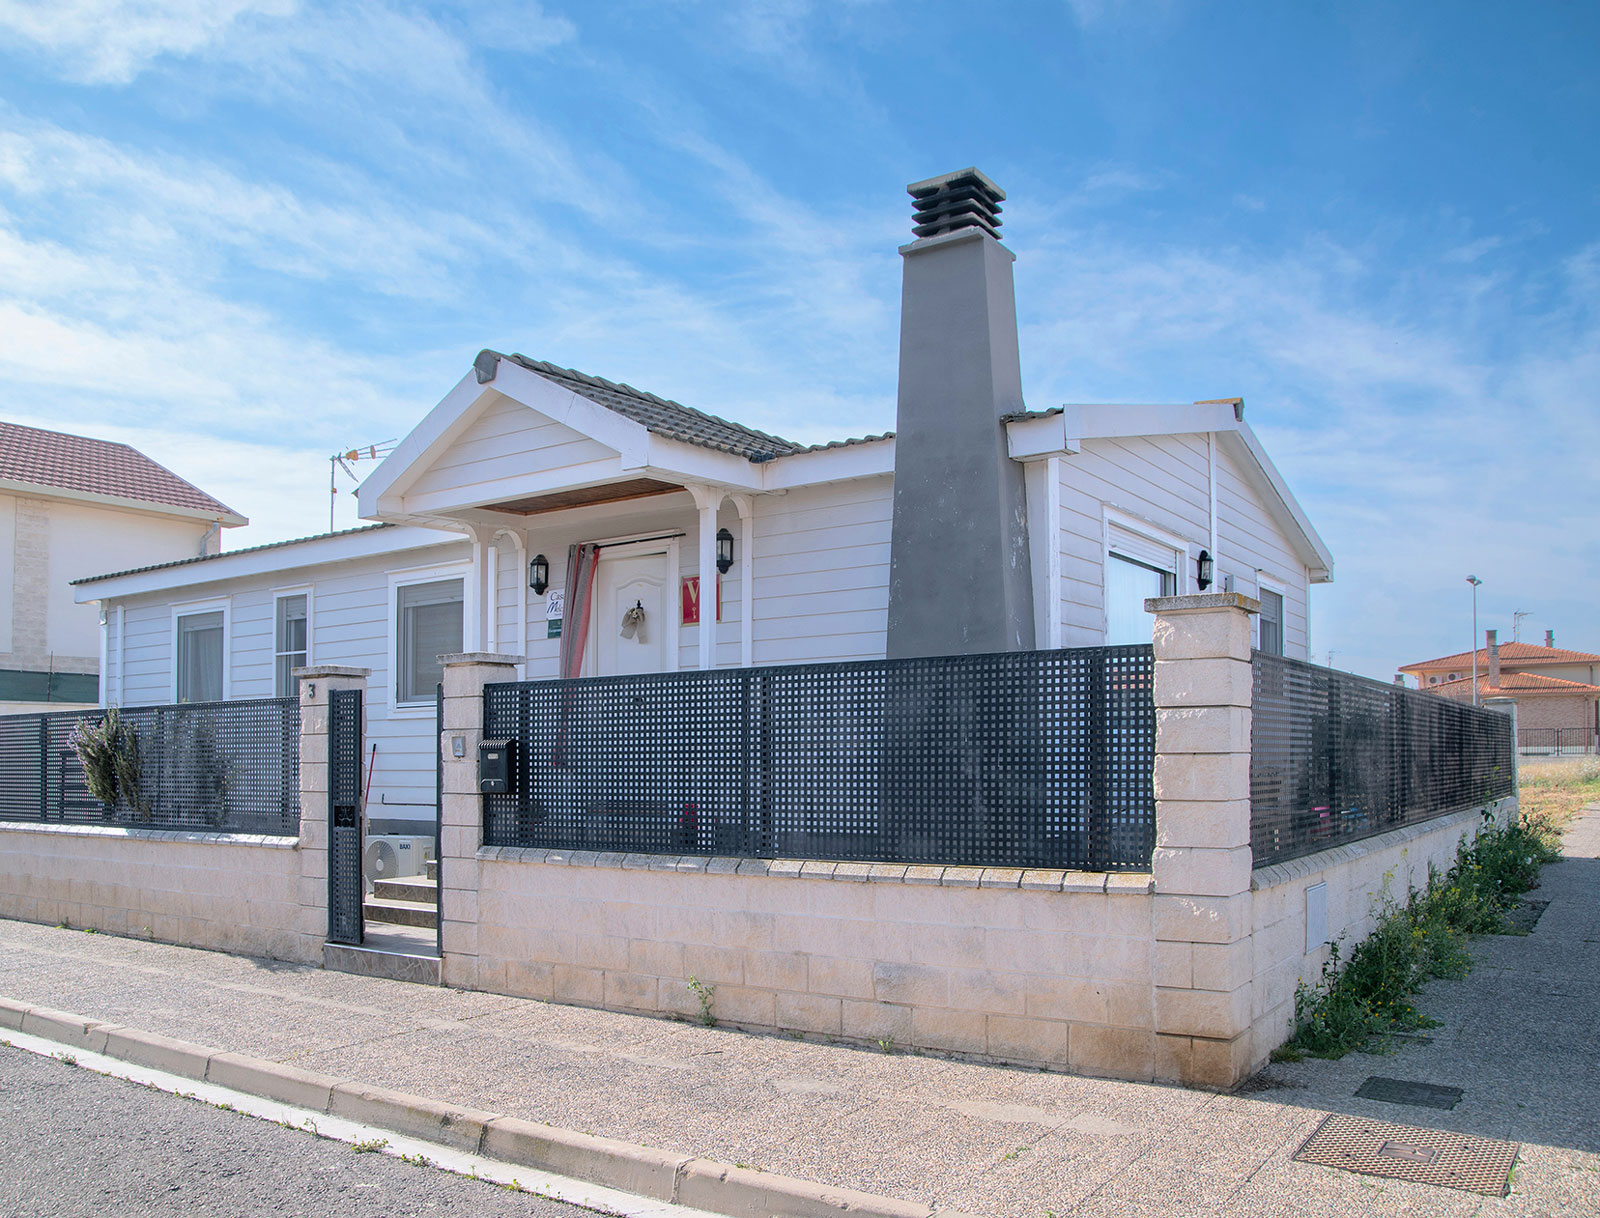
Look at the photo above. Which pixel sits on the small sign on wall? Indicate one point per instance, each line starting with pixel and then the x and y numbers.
pixel 555 604
pixel 689 596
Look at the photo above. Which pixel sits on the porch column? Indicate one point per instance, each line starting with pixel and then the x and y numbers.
pixel 461 807
pixel 1202 863
pixel 708 499
pixel 746 558
pixel 317 683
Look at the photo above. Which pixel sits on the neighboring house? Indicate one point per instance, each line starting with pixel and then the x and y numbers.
pixel 978 526
pixel 1557 691
pixel 71 506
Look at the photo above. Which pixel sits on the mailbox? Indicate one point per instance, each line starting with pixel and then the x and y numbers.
pixel 494 766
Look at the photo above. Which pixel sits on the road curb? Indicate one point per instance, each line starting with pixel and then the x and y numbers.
pixel 643 1170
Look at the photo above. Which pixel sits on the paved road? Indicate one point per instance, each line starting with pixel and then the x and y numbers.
pixel 76 1144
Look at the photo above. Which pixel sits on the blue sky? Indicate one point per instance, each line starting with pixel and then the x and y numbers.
pixel 245 233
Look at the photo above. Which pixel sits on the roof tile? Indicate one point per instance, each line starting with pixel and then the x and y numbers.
pixel 60 461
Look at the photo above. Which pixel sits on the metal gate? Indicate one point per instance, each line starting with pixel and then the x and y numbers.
pixel 344 817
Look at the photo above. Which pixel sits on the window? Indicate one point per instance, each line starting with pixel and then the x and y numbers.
pixel 1271 622
pixel 290 649
pixel 428 619
pixel 1128 582
pixel 199 639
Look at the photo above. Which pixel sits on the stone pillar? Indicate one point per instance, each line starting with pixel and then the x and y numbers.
pixel 461 807
pixel 1202 863
pixel 317 684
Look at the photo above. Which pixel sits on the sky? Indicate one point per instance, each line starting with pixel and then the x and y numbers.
pixel 245 234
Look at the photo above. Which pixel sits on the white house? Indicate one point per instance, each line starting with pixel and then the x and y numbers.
pixel 979 526
pixel 69 506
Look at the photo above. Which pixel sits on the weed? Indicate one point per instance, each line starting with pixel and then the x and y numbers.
pixel 1368 994
pixel 417 1160
pixel 66 1059
pixel 1014 1154
pixel 1286 1053
pixel 706 994
pixel 369 1146
pixel 886 1043
pixel 513 1185
pixel 89 930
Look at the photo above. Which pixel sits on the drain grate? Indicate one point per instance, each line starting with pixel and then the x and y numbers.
pixel 1404 1152
pixel 1419 1095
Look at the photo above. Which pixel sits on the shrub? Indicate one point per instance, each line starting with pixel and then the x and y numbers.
pixel 108 750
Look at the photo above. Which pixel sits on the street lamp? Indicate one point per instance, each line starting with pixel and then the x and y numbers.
pixel 1474 581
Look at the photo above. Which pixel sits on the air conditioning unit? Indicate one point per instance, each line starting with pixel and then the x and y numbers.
pixel 388 857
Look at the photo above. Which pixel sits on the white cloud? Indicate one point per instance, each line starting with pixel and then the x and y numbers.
pixel 109 42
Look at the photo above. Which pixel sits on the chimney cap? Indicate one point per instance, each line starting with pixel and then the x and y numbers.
pixel 952 201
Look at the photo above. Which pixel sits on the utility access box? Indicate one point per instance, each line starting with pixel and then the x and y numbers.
pixel 494 766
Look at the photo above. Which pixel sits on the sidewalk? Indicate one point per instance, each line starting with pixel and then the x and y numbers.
pixel 1517 1035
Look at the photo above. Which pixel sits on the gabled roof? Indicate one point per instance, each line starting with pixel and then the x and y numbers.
pixel 674 420
pixel 1518 683
pixel 102 470
pixel 1510 653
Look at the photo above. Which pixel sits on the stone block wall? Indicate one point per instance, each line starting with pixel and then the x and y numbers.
pixel 228 892
pixel 1045 968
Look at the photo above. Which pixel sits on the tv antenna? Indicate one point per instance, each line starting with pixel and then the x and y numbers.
pixel 1516 623
pixel 345 460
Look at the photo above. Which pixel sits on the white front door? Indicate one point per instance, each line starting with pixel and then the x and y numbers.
pixel 627 582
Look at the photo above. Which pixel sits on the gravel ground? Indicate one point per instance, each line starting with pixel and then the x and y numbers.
pixel 81 1145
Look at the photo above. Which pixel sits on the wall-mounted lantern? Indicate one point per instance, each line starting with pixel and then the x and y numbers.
pixel 1204 569
pixel 724 550
pixel 539 574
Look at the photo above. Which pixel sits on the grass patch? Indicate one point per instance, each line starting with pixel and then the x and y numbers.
pixel 1368 992
pixel 1552 792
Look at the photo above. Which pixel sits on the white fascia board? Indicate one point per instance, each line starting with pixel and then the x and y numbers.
pixel 36 490
pixel 411 456
pixel 840 464
pixel 1110 422
pixel 1049 435
pixel 1242 445
pixel 314 551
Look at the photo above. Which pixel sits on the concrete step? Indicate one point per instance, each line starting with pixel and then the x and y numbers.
pixel 433 870
pixel 401 913
pixel 407 888
pixel 396 962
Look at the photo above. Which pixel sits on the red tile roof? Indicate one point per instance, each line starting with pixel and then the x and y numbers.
pixel 1518 683
pixel 1510 653
pixel 58 461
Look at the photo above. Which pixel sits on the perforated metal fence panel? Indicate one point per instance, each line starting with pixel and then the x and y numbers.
pixel 211 766
pixel 345 890
pixel 1335 757
pixel 1024 759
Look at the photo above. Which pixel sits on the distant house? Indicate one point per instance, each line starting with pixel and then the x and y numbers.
pixel 71 506
pixel 1557 691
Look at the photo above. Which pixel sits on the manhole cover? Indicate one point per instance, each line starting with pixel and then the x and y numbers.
pixel 1419 1095
pixel 1404 1152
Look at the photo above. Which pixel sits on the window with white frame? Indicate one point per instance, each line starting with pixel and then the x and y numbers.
pixel 1137 567
pixel 290 646
pixel 1271 621
pixel 198 646
pixel 428 624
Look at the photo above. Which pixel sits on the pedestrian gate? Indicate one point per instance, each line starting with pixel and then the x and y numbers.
pixel 344 817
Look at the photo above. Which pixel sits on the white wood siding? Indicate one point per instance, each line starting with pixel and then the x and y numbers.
pixel 507 440
pixel 1163 481
pixel 1251 546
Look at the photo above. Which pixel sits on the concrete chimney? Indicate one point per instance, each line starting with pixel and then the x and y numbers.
pixel 1549 638
pixel 959 579
pixel 1490 639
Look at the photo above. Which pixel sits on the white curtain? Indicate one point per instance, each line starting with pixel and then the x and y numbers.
pixel 200 657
